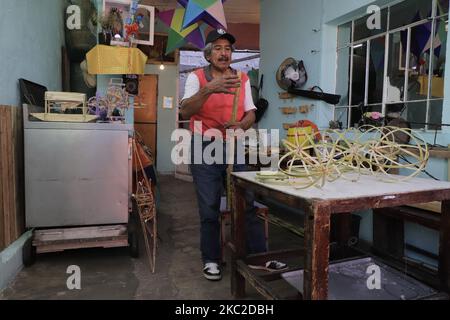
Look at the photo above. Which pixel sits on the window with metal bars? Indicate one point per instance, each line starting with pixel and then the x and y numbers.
pixel 396 70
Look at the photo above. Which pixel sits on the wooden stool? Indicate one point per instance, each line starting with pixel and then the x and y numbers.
pixel 225 216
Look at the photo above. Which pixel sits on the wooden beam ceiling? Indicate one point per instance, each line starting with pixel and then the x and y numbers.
pixel 236 11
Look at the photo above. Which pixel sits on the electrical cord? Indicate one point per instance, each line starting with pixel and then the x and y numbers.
pixel 424 171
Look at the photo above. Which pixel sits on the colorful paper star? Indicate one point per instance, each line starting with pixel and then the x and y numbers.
pixel 209 11
pixel 179 36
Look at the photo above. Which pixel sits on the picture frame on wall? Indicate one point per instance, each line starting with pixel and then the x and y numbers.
pixel 123 5
pixel 123 9
pixel 156 53
pixel 146 32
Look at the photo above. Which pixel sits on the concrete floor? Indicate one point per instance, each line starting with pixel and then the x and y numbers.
pixel 113 274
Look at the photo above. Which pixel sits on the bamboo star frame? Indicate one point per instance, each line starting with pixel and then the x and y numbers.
pixel 371 151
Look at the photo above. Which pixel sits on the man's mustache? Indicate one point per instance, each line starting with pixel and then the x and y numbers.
pixel 223 59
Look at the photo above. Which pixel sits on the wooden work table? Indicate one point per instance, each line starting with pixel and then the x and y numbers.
pixel 338 197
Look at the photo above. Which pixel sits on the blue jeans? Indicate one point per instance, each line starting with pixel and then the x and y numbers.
pixel 209 181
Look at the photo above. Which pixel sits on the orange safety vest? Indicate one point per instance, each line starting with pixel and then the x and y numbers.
pixel 218 108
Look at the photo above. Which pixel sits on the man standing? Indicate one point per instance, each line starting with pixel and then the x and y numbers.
pixel 209 99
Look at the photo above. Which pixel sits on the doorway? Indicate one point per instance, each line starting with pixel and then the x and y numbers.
pixel 145 116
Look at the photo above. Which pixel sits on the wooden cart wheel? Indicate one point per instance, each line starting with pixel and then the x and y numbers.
pixel 28 253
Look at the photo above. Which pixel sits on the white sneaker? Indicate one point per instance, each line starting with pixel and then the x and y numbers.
pixel 275 265
pixel 212 272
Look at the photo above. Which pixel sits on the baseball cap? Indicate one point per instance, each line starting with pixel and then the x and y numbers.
pixel 219 33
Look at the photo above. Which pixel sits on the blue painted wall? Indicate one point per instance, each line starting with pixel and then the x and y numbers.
pixel 31 37
pixel 167 87
pixel 287 31
pixel 345 10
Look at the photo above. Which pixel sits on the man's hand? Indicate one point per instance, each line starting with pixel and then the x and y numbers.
pixel 245 124
pixel 234 125
pixel 238 127
pixel 224 84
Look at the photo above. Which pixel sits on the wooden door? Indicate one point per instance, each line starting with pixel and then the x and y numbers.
pixel 145 117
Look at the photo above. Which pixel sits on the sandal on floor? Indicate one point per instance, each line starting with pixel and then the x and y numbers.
pixel 271 266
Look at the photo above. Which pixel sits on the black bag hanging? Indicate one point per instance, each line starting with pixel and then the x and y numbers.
pixel 317 95
pixel 262 104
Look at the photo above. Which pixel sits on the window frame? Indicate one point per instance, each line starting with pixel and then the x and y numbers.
pixel 387 35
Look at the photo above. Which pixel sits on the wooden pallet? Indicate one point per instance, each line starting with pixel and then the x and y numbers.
pixel 12 217
pixel 54 240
